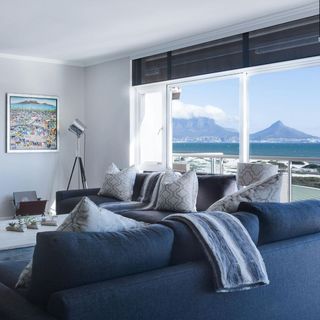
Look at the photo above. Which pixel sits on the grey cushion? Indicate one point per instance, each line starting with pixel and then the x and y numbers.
pixel 119 184
pixel 65 260
pixel 267 190
pixel 178 193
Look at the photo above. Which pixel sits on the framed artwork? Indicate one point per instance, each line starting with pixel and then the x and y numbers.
pixel 32 123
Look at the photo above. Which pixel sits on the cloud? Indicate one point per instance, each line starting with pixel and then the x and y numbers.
pixel 183 110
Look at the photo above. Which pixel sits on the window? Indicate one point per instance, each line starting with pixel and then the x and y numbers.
pixel 284 122
pixel 205 119
pixel 150 129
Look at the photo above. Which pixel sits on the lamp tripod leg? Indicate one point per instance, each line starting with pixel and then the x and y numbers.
pixel 74 165
pixel 83 174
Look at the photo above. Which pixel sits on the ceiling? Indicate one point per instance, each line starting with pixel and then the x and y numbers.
pixel 85 32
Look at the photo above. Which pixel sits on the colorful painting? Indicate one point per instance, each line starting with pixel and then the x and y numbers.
pixel 32 123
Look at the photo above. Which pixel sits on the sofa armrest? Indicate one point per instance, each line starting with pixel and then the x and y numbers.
pixel 67 194
pixel 13 306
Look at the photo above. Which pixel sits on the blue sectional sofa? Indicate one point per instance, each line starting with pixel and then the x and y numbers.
pixel 159 272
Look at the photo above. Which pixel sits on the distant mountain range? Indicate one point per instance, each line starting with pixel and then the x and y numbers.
pixel 207 130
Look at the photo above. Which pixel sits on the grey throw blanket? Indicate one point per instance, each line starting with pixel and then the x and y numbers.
pixel 235 260
pixel 147 199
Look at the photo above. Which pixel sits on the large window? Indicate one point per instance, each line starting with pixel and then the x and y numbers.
pixel 261 114
pixel 284 124
pixel 205 119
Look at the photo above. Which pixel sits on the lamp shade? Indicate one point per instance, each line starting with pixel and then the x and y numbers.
pixel 249 173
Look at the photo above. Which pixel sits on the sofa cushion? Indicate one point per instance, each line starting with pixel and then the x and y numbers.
pixel 119 184
pixel 148 216
pixel 178 193
pixel 251 223
pixel 214 187
pixel 10 271
pixel 267 190
pixel 65 260
pixel 280 221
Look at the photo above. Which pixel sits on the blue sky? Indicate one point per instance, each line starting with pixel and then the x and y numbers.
pixel 291 96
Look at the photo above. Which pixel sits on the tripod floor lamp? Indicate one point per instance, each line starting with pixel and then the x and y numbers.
pixel 78 128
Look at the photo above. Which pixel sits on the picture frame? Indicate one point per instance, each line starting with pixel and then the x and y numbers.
pixel 32 123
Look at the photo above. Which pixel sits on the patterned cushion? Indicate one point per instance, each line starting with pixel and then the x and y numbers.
pixel 85 217
pixel 119 184
pixel 267 190
pixel 178 193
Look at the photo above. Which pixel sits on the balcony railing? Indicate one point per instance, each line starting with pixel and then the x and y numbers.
pixel 302 174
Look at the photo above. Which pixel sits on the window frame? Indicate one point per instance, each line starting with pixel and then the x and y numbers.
pixel 244 74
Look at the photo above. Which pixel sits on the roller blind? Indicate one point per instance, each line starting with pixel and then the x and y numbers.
pixel 288 41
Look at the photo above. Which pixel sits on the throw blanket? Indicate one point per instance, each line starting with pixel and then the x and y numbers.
pixel 147 199
pixel 235 260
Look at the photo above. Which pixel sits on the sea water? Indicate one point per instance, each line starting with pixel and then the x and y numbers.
pixel 303 150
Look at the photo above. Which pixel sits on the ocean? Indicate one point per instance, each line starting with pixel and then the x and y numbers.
pixel 304 150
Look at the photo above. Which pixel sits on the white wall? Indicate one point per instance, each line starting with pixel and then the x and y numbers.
pixel 43 172
pixel 107 116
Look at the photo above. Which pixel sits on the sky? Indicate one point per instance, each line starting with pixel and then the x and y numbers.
pixel 292 96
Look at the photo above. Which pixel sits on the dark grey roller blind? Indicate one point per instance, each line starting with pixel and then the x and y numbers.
pixel 210 57
pixel 288 41
pixel 293 40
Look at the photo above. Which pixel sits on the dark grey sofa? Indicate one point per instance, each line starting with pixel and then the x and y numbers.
pixel 211 189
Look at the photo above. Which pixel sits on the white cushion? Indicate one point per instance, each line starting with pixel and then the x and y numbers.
pixel 178 192
pixel 119 184
pixel 267 190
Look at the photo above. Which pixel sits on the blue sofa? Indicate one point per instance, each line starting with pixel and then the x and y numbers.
pixel 159 272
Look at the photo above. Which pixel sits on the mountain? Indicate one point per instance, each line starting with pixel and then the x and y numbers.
pixel 201 130
pixel 278 132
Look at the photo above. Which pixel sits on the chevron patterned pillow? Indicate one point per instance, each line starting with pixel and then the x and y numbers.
pixel 178 193
pixel 119 184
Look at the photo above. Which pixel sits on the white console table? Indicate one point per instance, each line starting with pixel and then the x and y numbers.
pixel 20 245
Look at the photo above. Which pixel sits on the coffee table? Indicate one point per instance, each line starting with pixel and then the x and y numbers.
pixel 20 245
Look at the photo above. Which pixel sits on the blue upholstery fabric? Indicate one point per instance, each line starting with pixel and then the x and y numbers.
pixel 65 260
pixel 10 271
pixel 280 221
pixel 251 223
pixel 185 291
pixel 13 306
pixel 186 246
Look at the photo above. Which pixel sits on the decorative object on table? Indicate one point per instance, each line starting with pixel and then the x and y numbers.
pixel 16 226
pixel 249 173
pixel 32 123
pixel 31 223
pixel 28 203
pixel 78 128
pixel 49 220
